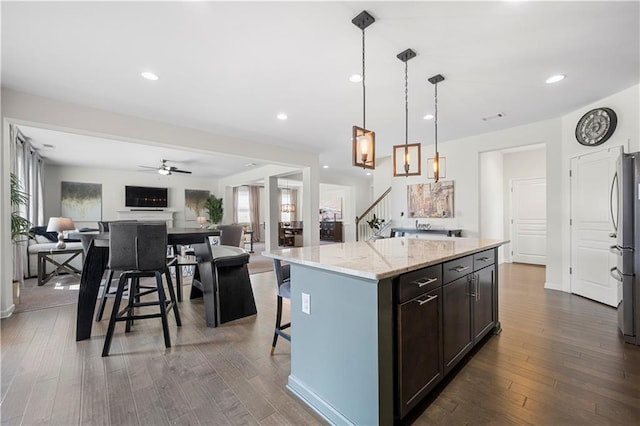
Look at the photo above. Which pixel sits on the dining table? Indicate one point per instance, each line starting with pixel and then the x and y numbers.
pixel 96 246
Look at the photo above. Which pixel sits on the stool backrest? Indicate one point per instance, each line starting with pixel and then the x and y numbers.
pixel 137 246
pixel 231 235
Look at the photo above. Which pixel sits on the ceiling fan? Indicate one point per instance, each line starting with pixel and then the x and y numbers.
pixel 165 169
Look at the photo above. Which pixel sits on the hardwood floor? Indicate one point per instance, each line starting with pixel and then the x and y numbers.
pixel 559 360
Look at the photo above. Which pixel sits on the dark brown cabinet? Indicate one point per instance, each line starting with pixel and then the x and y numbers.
pixel 457 337
pixel 331 231
pixel 442 312
pixel 483 306
pixel 419 334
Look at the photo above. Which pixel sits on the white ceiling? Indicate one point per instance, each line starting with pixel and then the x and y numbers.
pixel 230 67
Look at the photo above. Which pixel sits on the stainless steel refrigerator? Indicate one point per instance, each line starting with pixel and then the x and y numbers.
pixel 625 214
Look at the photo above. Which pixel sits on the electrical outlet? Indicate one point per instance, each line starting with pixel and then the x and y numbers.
pixel 306 304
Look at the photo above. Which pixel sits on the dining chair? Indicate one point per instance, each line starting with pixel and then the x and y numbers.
pixel 231 235
pixel 139 250
pixel 283 283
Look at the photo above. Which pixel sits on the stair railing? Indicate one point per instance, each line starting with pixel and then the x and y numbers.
pixel 381 208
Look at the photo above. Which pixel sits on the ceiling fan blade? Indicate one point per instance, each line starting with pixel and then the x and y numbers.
pixel 149 167
pixel 181 171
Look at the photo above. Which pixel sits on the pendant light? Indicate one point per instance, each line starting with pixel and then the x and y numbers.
pixel 363 140
pixel 289 207
pixel 437 163
pixel 406 158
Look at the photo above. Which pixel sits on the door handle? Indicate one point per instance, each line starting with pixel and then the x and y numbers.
pixel 614 181
pixel 460 268
pixel 429 299
pixel 477 280
pixel 617 276
pixel 472 281
pixel 425 282
pixel 484 259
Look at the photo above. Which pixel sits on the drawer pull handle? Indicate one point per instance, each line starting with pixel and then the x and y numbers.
pixel 484 259
pixel 429 299
pixel 425 282
pixel 460 268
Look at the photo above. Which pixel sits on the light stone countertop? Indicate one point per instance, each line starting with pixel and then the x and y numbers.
pixel 382 258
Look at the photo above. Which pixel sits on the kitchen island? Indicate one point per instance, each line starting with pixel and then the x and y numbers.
pixel 376 325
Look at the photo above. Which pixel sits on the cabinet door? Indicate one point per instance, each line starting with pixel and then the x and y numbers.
pixel 420 365
pixel 483 300
pixel 456 323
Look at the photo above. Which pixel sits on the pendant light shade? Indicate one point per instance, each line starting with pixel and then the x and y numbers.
pixel 406 158
pixel 436 165
pixel 363 140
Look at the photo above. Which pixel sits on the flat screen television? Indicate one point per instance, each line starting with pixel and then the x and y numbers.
pixel 145 196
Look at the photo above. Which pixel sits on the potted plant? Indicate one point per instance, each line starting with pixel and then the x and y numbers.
pixel 19 225
pixel 375 224
pixel 214 209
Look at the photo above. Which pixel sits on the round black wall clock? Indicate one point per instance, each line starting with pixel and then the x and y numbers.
pixel 596 126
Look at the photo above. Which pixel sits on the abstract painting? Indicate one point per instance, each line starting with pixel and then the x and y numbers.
pixel 194 201
pixel 82 202
pixel 431 199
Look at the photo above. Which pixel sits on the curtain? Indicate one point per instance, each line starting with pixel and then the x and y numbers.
pixel 26 164
pixel 235 204
pixel 254 211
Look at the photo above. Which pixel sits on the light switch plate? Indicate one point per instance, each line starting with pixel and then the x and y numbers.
pixel 306 304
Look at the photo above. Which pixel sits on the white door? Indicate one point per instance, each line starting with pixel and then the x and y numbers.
pixel 529 220
pixel 591 258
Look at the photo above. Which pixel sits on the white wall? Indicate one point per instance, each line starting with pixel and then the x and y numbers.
pixel 492 216
pixel 113 183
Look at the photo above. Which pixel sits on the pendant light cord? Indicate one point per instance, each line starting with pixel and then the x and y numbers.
pixel 436 117
pixel 406 105
pixel 364 94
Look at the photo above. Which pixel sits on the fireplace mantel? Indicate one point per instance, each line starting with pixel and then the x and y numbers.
pixel 150 214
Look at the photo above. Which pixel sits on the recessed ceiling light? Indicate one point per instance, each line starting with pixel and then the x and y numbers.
pixel 325 167
pixel 282 116
pixel 355 78
pixel 250 164
pixel 149 76
pixel 428 117
pixel 368 173
pixel 555 78
pixel 48 145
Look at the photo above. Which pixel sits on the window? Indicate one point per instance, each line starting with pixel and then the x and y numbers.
pixel 243 205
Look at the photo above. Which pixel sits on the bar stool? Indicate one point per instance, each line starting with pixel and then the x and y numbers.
pixel 283 282
pixel 139 250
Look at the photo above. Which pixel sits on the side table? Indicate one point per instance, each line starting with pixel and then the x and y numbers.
pixel 47 256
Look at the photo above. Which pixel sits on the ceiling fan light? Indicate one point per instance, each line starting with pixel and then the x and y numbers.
pixel 164 172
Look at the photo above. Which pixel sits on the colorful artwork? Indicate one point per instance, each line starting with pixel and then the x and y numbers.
pixel 431 199
pixel 194 201
pixel 82 202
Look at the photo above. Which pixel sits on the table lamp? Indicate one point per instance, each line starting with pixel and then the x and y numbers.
pixel 60 224
pixel 201 220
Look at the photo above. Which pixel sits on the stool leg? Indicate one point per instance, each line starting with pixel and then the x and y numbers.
pixel 103 301
pixel 114 315
pixel 174 302
pixel 278 323
pixel 134 297
pixel 163 310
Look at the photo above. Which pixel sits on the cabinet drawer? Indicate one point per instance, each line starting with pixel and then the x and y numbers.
pixel 455 269
pixel 417 282
pixel 484 258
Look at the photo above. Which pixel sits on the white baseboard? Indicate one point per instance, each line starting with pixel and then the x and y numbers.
pixel 552 286
pixel 6 313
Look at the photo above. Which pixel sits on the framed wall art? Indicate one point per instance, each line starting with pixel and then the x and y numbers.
pixel 82 202
pixel 194 201
pixel 431 199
